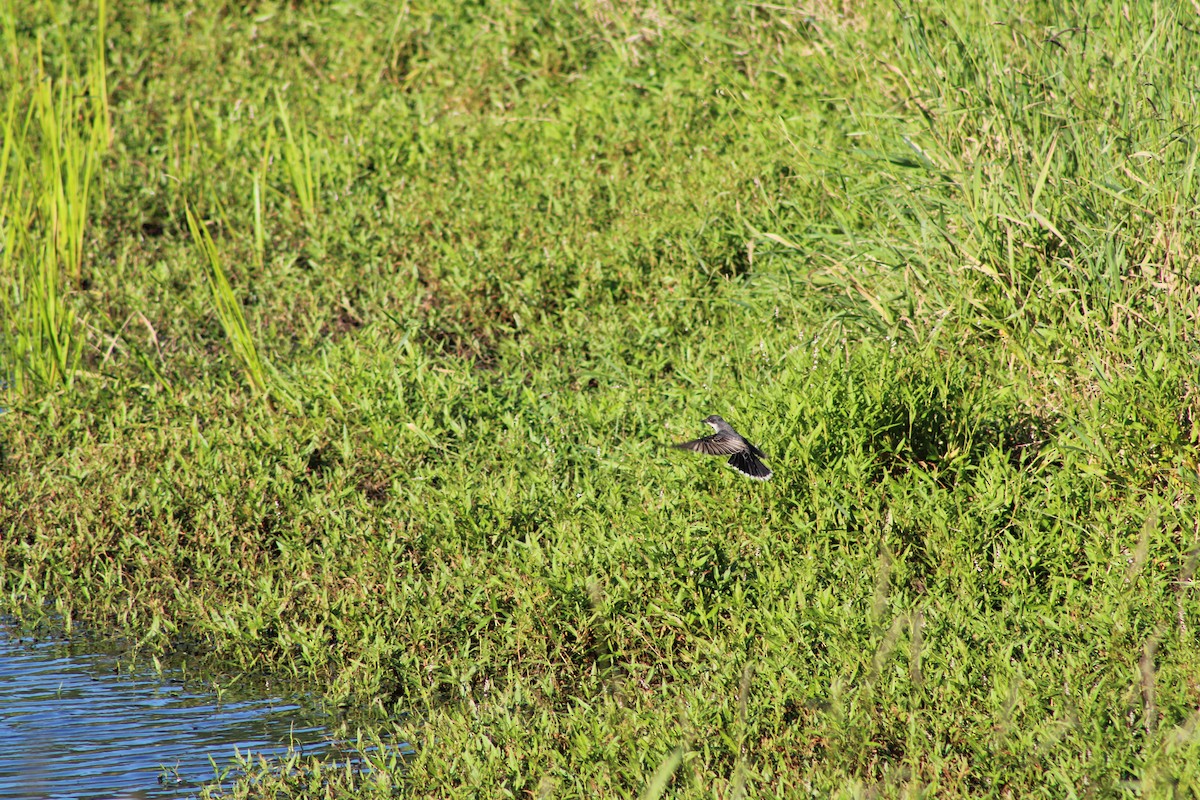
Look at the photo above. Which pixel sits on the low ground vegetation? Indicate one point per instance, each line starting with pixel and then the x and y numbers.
pixel 346 342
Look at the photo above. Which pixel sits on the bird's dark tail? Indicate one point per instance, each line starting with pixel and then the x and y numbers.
pixel 748 464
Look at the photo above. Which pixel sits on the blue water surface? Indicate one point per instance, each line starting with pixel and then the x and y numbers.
pixel 79 723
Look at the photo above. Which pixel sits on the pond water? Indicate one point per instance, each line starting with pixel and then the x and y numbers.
pixel 79 722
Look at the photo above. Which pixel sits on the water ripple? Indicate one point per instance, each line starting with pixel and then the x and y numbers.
pixel 74 724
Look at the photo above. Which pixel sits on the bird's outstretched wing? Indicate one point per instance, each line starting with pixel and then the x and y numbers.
pixel 716 445
pixel 747 464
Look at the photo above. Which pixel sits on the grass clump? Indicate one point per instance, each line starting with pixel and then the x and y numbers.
pixel 938 262
pixel 229 310
pixel 54 138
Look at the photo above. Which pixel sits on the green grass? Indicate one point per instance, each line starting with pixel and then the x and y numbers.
pixel 939 264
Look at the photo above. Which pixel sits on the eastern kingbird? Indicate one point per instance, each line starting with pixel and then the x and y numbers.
pixel 743 456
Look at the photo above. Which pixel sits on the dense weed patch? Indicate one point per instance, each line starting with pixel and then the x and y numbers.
pixel 483 263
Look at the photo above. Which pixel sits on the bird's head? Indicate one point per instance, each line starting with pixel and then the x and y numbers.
pixel 714 420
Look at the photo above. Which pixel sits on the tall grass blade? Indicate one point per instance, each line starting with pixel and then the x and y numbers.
pixel 69 157
pixel 298 161
pixel 662 776
pixel 48 169
pixel 259 235
pixel 229 310
pixel 98 83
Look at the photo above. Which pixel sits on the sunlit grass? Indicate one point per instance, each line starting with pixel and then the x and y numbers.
pixel 938 262
pixel 299 164
pixel 229 308
pixel 54 138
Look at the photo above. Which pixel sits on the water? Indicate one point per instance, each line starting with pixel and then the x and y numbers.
pixel 77 723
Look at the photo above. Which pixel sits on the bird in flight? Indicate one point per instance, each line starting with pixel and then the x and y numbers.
pixel 743 456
